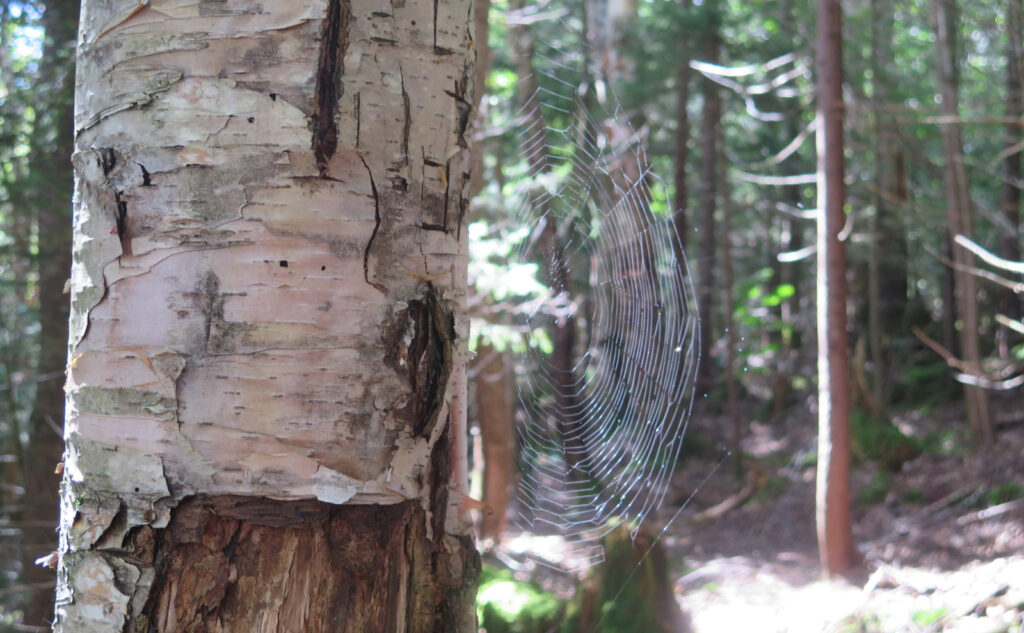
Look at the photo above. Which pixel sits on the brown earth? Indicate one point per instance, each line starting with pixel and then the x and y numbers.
pixel 942 536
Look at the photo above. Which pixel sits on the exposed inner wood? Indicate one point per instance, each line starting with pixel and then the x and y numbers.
pixel 246 564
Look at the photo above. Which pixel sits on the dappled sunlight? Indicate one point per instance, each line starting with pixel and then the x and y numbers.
pixel 731 594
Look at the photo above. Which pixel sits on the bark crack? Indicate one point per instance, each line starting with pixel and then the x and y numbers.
pixel 447 187
pixel 121 223
pixel 407 116
pixel 356 111
pixel 463 108
pixel 376 227
pixel 147 180
pixel 435 24
pixel 329 89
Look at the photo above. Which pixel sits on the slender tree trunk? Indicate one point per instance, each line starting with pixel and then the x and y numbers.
pixel 495 406
pixel 949 307
pixel 728 298
pixel 887 282
pixel 481 28
pixel 682 149
pixel 790 239
pixel 706 246
pixel 267 331
pixel 835 537
pixel 959 217
pixel 1009 302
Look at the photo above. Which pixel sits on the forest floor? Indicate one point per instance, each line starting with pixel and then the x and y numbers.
pixel 941 534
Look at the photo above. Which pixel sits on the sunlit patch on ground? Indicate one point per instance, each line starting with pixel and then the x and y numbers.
pixel 735 594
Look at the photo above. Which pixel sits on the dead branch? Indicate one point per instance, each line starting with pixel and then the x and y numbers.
pixel 966 374
pixel 988 513
pixel 988 257
pixel 1015 287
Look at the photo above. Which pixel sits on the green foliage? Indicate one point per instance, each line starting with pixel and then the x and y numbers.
pixel 630 592
pixel 951 441
pixel 1004 492
pixel 876 490
pixel 916 497
pixel 880 441
pixel 925 384
pixel 505 604
pixel 929 617
pixel 774 487
pixel 859 623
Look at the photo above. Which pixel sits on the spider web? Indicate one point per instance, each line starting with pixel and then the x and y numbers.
pixel 601 428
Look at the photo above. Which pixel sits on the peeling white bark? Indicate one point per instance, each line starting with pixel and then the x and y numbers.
pixel 250 313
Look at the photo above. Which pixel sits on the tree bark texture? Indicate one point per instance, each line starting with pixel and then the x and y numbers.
pixel 267 327
pixel 959 217
pixel 835 537
pixel 51 203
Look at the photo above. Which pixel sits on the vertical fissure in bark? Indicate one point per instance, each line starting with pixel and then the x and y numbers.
pixel 429 359
pixel 356 112
pixel 435 24
pixel 330 67
pixel 121 222
pixel 439 478
pixel 212 306
pixel 463 107
pixel 447 187
pixel 376 228
pixel 420 345
pixel 406 116
pixel 108 160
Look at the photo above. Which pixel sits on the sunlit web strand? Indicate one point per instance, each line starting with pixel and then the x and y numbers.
pixel 601 435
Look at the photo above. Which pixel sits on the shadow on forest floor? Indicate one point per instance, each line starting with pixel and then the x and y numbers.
pixel 942 537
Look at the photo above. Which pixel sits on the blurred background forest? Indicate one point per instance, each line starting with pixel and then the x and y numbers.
pixel 721 95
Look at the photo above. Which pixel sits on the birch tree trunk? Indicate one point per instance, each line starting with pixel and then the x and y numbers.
pixel 265 411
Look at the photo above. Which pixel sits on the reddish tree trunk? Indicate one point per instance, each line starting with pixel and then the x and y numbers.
pixel 495 407
pixel 835 536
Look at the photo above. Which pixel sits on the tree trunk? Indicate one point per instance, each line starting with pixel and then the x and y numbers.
pixel 682 138
pixel 887 282
pixel 835 537
pixel 708 194
pixel 728 299
pixel 50 200
pixel 959 217
pixel 267 331
pixel 495 406
pixel 1009 302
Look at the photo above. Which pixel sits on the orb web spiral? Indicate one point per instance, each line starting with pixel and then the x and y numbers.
pixel 606 381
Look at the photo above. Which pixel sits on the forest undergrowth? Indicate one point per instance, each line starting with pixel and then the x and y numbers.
pixel 941 534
